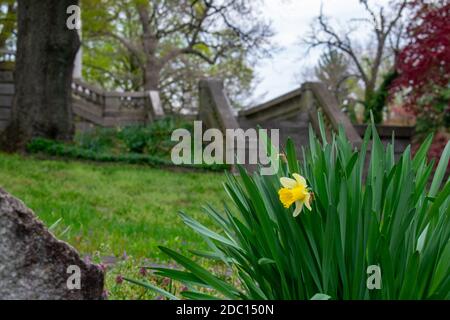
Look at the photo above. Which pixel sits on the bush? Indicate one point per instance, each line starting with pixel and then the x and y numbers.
pixel 135 138
pixel 97 140
pixel 153 139
pixel 59 149
pixel 160 132
pixel 393 219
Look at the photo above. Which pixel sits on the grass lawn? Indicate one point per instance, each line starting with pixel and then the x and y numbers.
pixel 109 209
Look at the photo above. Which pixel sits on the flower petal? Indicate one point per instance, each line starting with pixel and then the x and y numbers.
pixel 299 179
pixel 288 182
pixel 308 201
pixel 298 208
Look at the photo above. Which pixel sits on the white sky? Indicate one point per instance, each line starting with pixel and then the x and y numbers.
pixel 291 20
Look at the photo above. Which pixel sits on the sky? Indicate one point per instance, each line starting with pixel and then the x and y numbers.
pixel 291 19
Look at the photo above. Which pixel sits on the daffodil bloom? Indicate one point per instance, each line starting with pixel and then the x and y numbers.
pixel 295 191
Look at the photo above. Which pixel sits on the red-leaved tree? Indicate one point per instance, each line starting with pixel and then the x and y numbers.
pixel 423 68
pixel 423 64
pixel 425 60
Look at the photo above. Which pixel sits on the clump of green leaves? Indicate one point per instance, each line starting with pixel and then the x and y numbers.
pixel 152 139
pixel 149 145
pixel 391 217
pixel 97 140
pixel 59 149
pixel 135 138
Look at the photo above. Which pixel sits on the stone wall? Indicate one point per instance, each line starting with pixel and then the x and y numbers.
pixel 6 96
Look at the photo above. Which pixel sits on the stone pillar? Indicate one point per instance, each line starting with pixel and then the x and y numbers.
pixel 156 110
pixel 78 63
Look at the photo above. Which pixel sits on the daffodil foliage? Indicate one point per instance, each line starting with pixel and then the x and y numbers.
pixel 394 215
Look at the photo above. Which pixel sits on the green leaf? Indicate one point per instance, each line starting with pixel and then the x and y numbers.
pixel 198 296
pixel 422 152
pixel 201 229
pixel 440 171
pixel 320 296
pixel 292 157
pixel 264 261
pixel 153 288
pixel 203 274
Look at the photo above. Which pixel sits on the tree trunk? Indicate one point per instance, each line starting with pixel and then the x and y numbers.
pixel 46 49
pixel 368 92
pixel 152 65
pixel 151 76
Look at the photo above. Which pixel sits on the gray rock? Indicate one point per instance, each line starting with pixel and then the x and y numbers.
pixel 34 264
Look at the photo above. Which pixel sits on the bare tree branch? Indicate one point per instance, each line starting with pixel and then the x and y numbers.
pixel 382 26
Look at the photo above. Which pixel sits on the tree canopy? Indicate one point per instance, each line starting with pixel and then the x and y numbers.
pixel 385 28
pixel 8 23
pixel 152 44
pixel 423 64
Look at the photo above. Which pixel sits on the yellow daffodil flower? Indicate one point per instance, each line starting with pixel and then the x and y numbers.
pixel 295 191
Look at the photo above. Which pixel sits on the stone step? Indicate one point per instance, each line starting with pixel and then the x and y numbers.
pixel 290 125
pixel 5 114
pixel 86 114
pixel 6 101
pixel 3 124
pixel 6 88
pixel 6 76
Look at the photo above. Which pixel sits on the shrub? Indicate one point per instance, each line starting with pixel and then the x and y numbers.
pixel 393 218
pixel 135 138
pixel 97 140
pixel 152 139
pixel 160 133
pixel 59 149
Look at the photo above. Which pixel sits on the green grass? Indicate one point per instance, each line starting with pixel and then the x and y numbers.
pixel 113 208
pixel 108 209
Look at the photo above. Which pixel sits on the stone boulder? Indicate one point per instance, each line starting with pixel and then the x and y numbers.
pixel 36 265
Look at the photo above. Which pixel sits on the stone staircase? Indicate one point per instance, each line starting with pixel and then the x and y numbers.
pixel 283 113
pixel 95 107
pixel 91 106
pixel 292 114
